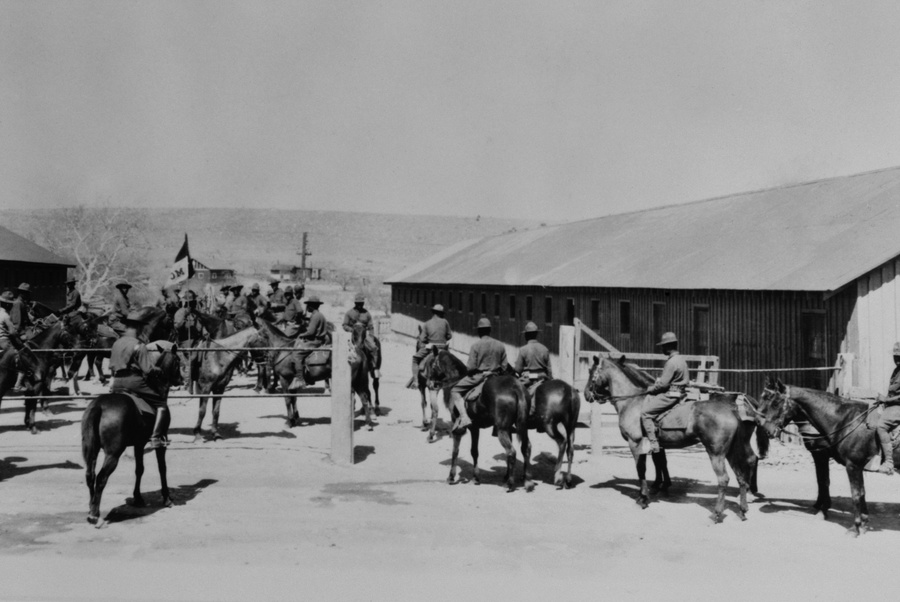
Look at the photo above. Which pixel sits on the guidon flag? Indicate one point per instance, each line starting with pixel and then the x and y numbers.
pixel 183 268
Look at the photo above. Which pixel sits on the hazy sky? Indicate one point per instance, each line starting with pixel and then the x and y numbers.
pixel 549 110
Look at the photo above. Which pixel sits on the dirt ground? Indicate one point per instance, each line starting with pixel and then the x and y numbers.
pixel 264 514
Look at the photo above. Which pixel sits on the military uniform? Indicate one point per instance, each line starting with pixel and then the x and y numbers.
pixel 666 392
pixel 121 307
pixel 436 331
pixel 130 364
pixel 293 316
pixel 890 417
pixel 360 315
pixel 187 326
pixel 534 358
pixel 276 303
pixel 7 330
pixel 19 315
pixel 73 302
pixel 486 358
pixel 316 334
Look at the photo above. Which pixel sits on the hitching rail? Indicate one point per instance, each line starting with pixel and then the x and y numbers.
pixel 176 396
pixel 192 349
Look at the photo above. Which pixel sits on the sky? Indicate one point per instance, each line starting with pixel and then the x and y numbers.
pixel 552 111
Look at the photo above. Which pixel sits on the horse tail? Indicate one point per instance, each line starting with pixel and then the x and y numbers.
pixel 90 438
pixel 762 442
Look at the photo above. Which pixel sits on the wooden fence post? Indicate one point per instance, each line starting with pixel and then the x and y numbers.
pixel 341 399
pixel 567 354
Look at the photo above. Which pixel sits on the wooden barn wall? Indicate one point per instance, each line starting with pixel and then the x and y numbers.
pixel 876 326
pixel 48 282
pixel 747 329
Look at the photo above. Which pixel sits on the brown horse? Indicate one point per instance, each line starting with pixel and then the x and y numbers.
pixel 714 423
pixel 844 436
pixel 11 362
pixel 557 403
pixel 502 405
pixel 112 422
pixel 215 369
pixel 40 374
pixel 429 391
pixel 360 370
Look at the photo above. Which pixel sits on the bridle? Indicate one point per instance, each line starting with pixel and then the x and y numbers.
pixel 779 423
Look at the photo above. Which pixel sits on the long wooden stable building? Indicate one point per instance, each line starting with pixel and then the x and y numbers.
pixel 24 261
pixel 789 277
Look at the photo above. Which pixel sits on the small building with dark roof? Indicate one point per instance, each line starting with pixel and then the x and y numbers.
pixel 787 277
pixel 24 261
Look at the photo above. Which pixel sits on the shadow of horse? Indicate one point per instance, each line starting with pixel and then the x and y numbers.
pixel 181 495
pixel 361 452
pixel 543 467
pixel 307 421
pixel 231 430
pixel 681 491
pixel 886 514
pixel 8 468
pixel 44 425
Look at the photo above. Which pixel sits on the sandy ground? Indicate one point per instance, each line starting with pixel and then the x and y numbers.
pixel 264 514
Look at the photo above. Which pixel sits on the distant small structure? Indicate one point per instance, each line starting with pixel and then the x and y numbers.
pixel 284 271
pixel 204 274
pixel 24 261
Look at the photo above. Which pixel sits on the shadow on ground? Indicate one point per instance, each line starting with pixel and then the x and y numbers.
pixel 9 467
pixel 682 491
pixel 181 495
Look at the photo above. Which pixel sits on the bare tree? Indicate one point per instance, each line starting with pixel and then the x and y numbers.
pixel 107 244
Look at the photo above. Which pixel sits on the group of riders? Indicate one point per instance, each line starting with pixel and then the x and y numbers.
pixel 132 370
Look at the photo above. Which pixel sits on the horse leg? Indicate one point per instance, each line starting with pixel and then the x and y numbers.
pixel 138 499
pixel 31 416
pixel 858 493
pixel 823 480
pixel 454 457
pixel 164 483
pixel 290 418
pixel 424 405
pixel 640 463
pixel 552 429
pixel 216 406
pixel 525 446
pixel 743 466
pixel 718 466
pixel 570 452
pixel 198 436
pixel 433 401
pixel 476 434
pixel 505 438
pixel 98 362
pixel 110 461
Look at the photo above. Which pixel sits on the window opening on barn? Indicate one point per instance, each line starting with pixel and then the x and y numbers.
pixel 432 298
pixel 512 307
pixel 497 306
pixel 449 301
pixel 812 346
pixel 484 307
pixel 570 311
pixel 529 308
pixel 548 310
pixel 471 303
pixel 595 314
pixel 701 329
pixel 418 299
pixel 659 321
pixel 624 317
pixel 461 306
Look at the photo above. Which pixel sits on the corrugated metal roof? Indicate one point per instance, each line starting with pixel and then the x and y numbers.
pixel 17 248
pixel 816 236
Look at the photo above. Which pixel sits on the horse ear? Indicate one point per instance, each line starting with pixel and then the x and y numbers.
pixel 780 386
pixel 596 360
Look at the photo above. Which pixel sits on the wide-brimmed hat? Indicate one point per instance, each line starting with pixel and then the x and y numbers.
pixel 667 337
pixel 255 286
pixel 7 297
pixel 484 323
pixel 25 287
pixel 360 298
pixel 274 281
pixel 897 348
pixel 313 300
pixel 438 307
pixel 236 287
pixel 123 285
pixel 530 327
pixel 288 289
pixel 135 317
pixel 72 280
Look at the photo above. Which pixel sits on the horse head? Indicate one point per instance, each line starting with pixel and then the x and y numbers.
pixel 446 369
pixel 168 361
pixel 597 387
pixel 775 407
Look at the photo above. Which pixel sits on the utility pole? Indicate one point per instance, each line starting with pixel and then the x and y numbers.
pixel 303 253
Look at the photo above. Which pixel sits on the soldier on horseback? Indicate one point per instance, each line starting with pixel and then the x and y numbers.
pixel 20 314
pixel 668 389
pixel 134 372
pixel 121 308
pixel 316 334
pixel 187 325
pixel 239 311
pixel 276 301
pixel 255 302
pixel 8 331
pixel 890 416
pixel 435 332
pixel 73 298
pixel 293 315
pixel 360 315
pixel 487 357
pixel 533 361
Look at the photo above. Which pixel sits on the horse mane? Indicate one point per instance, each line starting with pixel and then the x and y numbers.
pixel 457 363
pixel 637 376
pixel 274 331
pixel 42 339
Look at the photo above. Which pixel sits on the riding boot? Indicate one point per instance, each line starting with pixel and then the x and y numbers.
pixel 887 446
pixel 650 429
pixel 20 382
pixel 158 438
pixel 463 421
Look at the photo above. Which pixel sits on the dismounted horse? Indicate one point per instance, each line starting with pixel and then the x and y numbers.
pixel 43 368
pixel 429 391
pixel 557 403
pixel 112 422
pixel 360 370
pixel 842 424
pixel 214 372
pixel 714 423
pixel 502 405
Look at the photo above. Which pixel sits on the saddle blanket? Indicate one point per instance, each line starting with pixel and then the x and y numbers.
pixel 677 418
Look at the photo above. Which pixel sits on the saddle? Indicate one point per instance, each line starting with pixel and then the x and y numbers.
pixel 475 393
pixel 105 331
pixel 320 357
pixel 142 406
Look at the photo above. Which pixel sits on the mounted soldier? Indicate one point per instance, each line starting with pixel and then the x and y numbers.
pixel 533 361
pixel 9 339
pixel 255 301
pixel 315 336
pixel 239 312
pixel 187 325
pixel 668 389
pixel 20 314
pixel 293 316
pixel 360 315
pixel 135 373
pixel 890 415
pixel 276 301
pixel 435 332
pixel 121 308
pixel 73 298
pixel 487 357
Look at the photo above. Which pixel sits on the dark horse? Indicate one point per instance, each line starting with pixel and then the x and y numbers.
pixel 360 370
pixel 112 422
pixel 557 403
pixel 502 405
pixel 714 423
pixel 842 424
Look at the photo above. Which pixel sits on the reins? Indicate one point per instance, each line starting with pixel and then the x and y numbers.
pixel 855 424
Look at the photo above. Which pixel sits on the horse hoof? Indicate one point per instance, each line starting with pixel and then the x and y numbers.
pixel 217 437
pixel 168 503
pixel 852 532
pixel 288 424
pixel 138 502
pixel 198 439
pixel 34 430
pixel 529 486
pixel 716 518
pixel 93 519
